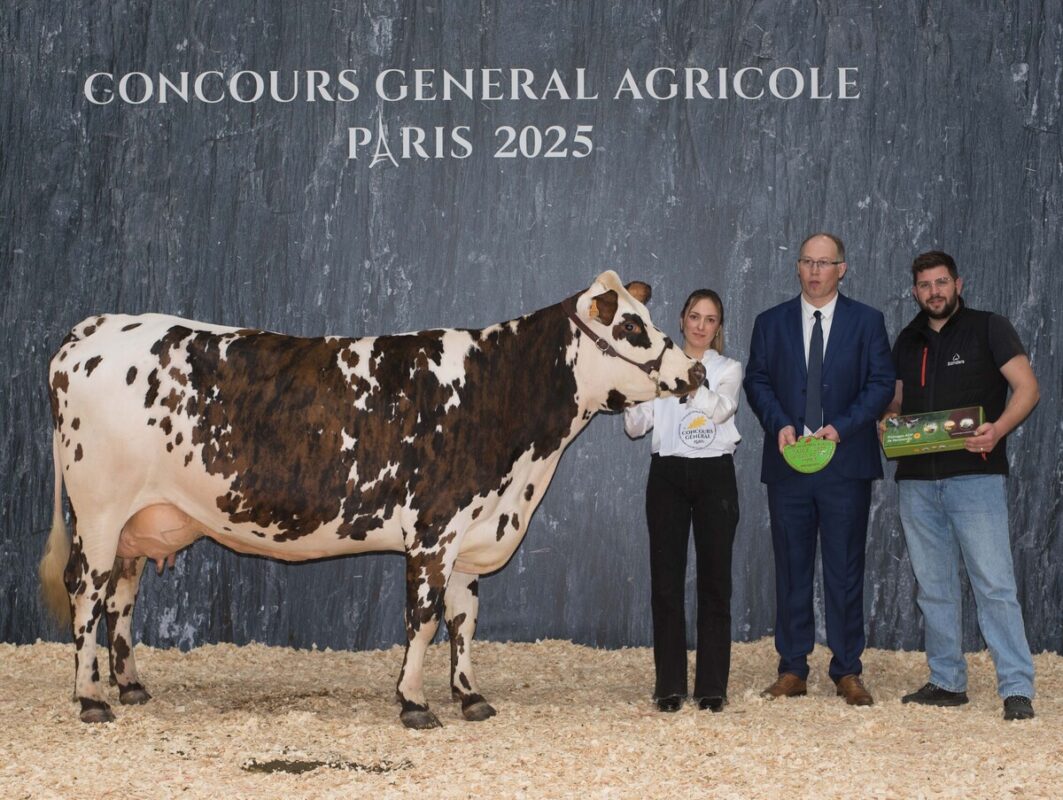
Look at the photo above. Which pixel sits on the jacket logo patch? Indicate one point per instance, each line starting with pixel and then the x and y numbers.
pixel 955 361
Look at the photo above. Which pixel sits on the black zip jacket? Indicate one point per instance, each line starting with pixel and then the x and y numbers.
pixel 956 367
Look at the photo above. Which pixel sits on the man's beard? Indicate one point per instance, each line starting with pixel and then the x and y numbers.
pixel 946 311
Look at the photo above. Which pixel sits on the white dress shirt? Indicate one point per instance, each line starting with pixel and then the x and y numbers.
pixel 703 426
pixel 808 321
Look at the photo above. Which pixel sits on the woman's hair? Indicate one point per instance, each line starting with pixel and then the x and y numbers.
pixel 706 294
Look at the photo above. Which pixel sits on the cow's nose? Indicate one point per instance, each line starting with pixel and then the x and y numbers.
pixel 697 374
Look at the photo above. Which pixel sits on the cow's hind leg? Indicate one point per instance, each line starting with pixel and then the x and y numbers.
pixel 462 604
pixel 427 570
pixel 121 597
pixel 86 577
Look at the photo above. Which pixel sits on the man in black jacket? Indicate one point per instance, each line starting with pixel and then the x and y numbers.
pixel 954 504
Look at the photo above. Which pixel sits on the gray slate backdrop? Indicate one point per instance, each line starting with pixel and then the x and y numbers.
pixel 253 215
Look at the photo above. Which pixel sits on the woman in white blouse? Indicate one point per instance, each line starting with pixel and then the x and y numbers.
pixel 692 481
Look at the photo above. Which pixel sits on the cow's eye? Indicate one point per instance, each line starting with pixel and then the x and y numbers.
pixel 630 327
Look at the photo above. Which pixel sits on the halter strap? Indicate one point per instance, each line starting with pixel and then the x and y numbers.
pixel 568 305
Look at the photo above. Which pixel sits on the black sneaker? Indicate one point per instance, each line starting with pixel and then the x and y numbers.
pixel 933 695
pixel 669 704
pixel 1018 707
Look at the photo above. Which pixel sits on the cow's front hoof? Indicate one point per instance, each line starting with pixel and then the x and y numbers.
pixel 420 719
pixel 133 695
pixel 478 711
pixel 94 711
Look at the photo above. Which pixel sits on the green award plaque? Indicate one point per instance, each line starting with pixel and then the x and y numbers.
pixel 809 454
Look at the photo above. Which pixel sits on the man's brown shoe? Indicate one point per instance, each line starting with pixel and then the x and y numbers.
pixel 853 690
pixel 786 685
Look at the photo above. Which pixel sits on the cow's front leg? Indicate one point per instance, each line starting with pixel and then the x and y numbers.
pixel 462 604
pixel 428 567
pixel 121 597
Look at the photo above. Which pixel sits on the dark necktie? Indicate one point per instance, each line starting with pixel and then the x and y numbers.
pixel 813 404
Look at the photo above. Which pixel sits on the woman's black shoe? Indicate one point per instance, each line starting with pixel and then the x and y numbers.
pixel 713 704
pixel 669 704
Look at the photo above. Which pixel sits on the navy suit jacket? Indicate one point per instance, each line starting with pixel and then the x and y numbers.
pixel 858 384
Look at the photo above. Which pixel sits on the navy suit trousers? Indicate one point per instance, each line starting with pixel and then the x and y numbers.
pixel 834 510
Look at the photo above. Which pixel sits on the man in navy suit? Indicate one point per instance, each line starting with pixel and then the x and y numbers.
pixel 820 365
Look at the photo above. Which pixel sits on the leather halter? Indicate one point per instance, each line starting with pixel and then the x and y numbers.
pixel 568 305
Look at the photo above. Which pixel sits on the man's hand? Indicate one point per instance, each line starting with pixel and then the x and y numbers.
pixel 882 423
pixel 985 438
pixel 787 435
pixel 827 432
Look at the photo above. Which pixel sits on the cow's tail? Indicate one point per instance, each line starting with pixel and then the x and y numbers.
pixel 56 551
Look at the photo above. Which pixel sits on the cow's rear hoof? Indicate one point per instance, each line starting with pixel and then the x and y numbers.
pixel 133 695
pixel 478 711
pixel 420 720
pixel 94 711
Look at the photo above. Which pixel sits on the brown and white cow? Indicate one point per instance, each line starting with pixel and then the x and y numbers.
pixel 438 444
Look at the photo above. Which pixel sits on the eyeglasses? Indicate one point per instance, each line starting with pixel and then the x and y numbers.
pixel 937 283
pixel 809 264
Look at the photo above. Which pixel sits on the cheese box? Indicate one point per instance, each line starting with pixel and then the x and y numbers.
pixel 930 432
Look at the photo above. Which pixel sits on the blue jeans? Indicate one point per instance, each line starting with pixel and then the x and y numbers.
pixel 966 516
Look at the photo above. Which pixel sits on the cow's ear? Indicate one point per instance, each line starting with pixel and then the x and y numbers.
pixel 640 291
pixel 603 307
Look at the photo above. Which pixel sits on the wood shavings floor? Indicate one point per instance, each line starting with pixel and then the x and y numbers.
pixel 262 722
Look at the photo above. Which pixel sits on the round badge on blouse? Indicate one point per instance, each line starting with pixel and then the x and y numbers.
pixel 696 430
pixel 809 454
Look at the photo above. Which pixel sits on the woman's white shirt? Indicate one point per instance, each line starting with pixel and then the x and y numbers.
pixel 701 427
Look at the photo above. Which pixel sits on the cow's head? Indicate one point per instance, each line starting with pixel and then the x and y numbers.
pixel 624 358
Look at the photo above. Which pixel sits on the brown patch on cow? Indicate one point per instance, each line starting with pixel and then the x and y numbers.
pixel 615 401
pixel 78 452
pixel 178 376
pixel 188 458
pixel 259 534
pixel 89 330
pixel 515 522
pixel 603 307
pixel 153 389
pixel 76 367
pixel 173 401
pixel 100 579
pixel 529 490
pixel 477 511
pixel 75 423
pixel 131 326
pixel 180 437
pixel 169 342
pixel 457 641
pixel 632 329
pixel 77 566
pixel 152 420
pixel 91 364
pixel 503 521
pixel 131 376
pixel 166 426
